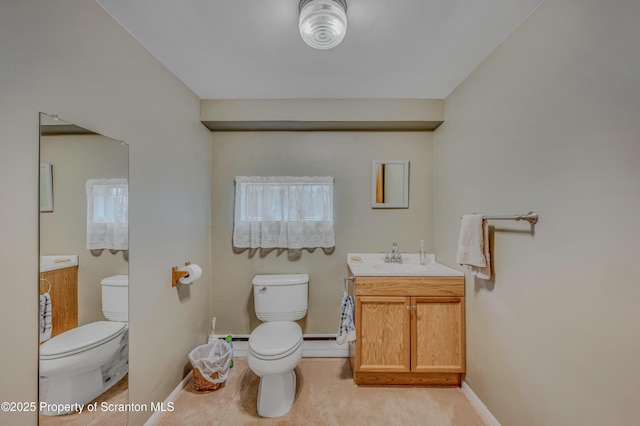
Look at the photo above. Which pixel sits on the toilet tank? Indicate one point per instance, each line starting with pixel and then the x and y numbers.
pixel 115 297
pixel 281 297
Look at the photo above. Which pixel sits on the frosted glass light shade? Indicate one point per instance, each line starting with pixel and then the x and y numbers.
pixel 323 23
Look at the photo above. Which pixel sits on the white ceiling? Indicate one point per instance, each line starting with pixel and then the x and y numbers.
pixel 250 49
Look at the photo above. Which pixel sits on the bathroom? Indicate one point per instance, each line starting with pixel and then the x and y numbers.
pixel 519 134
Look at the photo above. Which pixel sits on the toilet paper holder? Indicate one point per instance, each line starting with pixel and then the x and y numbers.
pixel 177 274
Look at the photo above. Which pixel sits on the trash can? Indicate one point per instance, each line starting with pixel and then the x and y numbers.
pixel 210 364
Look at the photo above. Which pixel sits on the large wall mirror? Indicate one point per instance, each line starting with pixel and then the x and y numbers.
pixel 390 184
pixel 84 271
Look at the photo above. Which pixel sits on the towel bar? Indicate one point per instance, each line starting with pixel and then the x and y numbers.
pixel 531 217
pixel 48 282
pixel 347 278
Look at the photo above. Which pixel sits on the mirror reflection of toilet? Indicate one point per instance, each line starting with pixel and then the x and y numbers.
pixel 82 363
pixel 275 347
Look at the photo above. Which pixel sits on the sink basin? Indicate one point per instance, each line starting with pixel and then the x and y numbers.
pixel 400 268
pixel 373 264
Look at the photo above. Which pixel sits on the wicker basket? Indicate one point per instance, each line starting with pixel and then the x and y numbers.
pixel 203 385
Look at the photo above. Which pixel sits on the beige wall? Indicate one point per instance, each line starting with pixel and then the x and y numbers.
pixel 549 122
pixel 72 59
pixel 74 159
pixel 347 157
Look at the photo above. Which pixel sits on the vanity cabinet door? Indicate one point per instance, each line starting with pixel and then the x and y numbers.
pixel 383 334
pixel 437 334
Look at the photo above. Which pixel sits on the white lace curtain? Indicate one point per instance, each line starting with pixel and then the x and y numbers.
pixel 284 212
pixel 107 214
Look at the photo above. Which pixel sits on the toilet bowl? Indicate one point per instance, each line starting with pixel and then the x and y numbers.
pixel 72 363
pixel 80 364
pixel 275 347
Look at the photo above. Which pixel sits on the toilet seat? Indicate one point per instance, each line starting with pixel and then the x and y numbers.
pixel 275 340
pixel 81 339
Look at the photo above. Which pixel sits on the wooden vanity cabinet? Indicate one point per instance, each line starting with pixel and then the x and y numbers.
pixel 409 330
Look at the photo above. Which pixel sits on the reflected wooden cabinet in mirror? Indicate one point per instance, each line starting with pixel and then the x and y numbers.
pixel 62 286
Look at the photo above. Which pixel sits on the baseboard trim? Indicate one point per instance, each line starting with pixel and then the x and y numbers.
pixel 314 346
pixel 155 417
pixel 479 405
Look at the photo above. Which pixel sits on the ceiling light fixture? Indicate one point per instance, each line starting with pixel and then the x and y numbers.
pixel 323 23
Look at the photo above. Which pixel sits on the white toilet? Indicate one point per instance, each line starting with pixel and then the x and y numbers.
pixel 275 347
pixel 78 365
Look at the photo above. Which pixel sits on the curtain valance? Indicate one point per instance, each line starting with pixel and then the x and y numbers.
pixel 107 214
pixel 283 211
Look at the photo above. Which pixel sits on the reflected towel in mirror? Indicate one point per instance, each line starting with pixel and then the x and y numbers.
pixel 45 317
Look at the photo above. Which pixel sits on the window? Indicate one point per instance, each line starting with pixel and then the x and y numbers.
pixel 107 214
pixel 283 211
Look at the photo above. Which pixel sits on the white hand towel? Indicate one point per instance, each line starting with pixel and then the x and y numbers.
pixel 473 245
pixel 45 317
pixel 347 329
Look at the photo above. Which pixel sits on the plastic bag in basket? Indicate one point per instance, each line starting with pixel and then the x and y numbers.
pixel 212 358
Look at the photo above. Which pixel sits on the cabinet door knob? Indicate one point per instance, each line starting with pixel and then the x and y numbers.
pixel 408 308
pixel 415 308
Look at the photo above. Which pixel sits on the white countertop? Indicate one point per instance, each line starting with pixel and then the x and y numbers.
pixel 51 263
pixel 373 265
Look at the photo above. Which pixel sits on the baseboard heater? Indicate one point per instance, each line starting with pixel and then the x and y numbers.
pixel 313 346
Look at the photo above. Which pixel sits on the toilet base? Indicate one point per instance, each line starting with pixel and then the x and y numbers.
pixel 276 394
pixel 64 391
pixel 74 391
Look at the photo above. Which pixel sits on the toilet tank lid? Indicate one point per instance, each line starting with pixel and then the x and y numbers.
pixel 281 279
pixel 116 280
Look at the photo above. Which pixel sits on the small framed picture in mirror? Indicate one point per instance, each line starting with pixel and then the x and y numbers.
pixel 46 187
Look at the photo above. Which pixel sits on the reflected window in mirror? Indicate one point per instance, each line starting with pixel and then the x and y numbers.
pixel 390 184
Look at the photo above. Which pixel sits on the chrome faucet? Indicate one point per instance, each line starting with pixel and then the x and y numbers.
pixel 394 256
